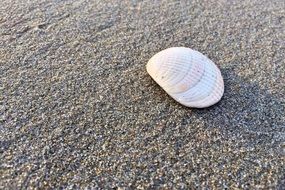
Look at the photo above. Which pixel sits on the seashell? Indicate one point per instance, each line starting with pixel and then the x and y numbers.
pixel 188 76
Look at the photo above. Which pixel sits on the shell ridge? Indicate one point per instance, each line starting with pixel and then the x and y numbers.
pixel 179 98
pixel 191 78
pixel 205 94
pixel 188 70
pixel 180 68
pixel 188 76
pixel 203 78
pixel 215 96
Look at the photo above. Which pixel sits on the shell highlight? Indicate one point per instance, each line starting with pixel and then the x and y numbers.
pixel 188 76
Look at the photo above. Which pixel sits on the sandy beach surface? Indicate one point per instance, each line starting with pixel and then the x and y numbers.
pixel 78 109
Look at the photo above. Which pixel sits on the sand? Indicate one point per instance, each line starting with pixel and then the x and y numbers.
pixel 78 109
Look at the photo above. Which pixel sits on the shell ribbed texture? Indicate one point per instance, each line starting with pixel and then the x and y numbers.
pixel 187 76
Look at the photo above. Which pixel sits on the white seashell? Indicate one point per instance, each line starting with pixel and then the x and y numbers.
pixel 188 76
